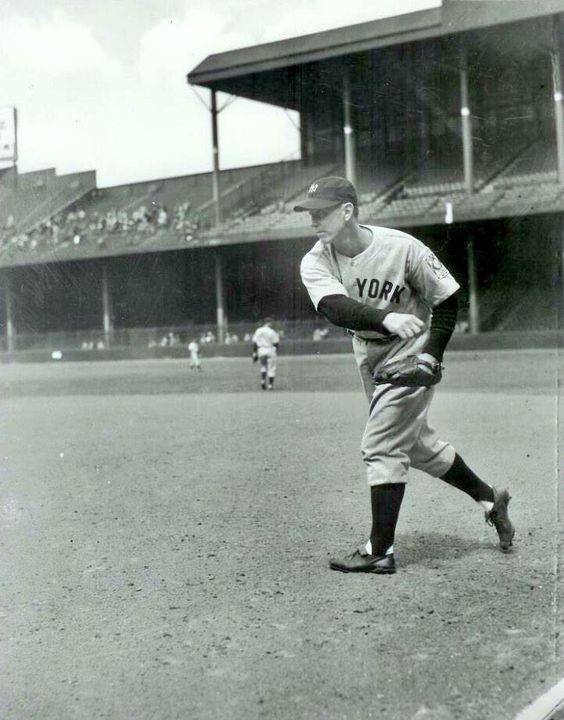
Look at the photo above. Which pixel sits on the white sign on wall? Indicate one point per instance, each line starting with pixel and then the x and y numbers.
pixel 8 143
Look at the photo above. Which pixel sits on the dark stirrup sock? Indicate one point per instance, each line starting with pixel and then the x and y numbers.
pixel 460 476
pixel 386 502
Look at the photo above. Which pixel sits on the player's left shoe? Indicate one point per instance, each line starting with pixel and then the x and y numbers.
pixel 498 516
pixel 361 561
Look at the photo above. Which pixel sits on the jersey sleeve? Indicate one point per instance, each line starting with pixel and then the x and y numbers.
pixel 319 279
pixel 428 275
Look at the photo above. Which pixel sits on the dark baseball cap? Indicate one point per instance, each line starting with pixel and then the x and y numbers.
pixel 327 192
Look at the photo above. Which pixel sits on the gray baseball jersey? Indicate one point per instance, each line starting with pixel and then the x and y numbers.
pixel 396 272
pixel 266 339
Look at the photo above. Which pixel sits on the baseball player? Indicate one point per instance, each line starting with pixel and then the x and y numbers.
pixel 194 350
pixel 265 350
pixel 401 304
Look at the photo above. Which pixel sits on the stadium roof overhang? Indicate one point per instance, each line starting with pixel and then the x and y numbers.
pixel 276 73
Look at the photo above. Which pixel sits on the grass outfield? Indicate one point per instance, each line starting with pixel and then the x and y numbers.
pixel 165 537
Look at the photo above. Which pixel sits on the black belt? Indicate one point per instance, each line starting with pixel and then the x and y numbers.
pixel 384 340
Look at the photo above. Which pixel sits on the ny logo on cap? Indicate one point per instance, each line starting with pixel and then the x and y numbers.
pixel 313 188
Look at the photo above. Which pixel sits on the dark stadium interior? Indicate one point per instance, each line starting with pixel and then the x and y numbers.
pixel 156 252
pixel 176 288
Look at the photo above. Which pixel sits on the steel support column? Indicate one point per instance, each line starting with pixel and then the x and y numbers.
pixel 556 58
pixel 215 146
pixel 560 301
pixel 466 117
pixel 107 308
pixel 348 130
pixel 306 140
pixel 474 307
pixel 220 306
pixel 9 305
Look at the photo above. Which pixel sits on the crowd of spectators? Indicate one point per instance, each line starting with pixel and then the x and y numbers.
pixel 209 337
pixel 91 345
pixel 172 339
pixel 319 334
pixel 77 227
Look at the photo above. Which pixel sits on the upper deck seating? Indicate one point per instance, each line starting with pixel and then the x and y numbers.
pixel 536 164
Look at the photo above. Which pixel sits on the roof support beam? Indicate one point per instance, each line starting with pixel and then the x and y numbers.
pixel 348 130
pixel 556 58
pixel 473 304
pixel 466 117
pixel 215 150
pixel 561 252
pixel 107 322
pixel 219 299
pixel 9 305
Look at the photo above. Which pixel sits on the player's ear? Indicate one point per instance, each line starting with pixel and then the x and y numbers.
pixel 348 211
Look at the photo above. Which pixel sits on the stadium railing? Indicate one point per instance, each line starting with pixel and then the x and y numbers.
pixel 161 336
pixel 248 195
pixel 178 336
pixel 66 190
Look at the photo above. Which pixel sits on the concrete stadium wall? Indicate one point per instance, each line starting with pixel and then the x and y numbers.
pixel 483 341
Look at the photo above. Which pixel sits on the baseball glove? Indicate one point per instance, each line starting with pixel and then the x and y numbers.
pixel 255 357
pixel 411 371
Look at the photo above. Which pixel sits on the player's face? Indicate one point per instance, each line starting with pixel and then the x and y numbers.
pixel 328 223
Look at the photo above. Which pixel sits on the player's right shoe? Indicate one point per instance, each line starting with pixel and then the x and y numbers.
pixel 362 561
pixel 498 516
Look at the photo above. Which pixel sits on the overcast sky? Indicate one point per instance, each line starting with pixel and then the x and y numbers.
pixel 100 84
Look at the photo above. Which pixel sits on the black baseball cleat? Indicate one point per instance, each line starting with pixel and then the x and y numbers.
pixel 361 561
pixel 499 518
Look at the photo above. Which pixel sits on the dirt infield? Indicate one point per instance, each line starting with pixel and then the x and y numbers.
pixel 165 537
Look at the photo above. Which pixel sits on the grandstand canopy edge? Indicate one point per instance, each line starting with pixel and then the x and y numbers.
pixel 262 72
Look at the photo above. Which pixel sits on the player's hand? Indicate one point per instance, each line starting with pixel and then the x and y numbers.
pixel 403 325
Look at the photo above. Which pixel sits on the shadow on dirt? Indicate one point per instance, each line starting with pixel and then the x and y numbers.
pixel 432 548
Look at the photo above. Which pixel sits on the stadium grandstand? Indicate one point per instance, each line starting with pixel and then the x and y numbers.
pixel 450 122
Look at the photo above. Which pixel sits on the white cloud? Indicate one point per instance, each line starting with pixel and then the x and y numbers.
pixel 172 47
pixel 250 132
pixel 54 47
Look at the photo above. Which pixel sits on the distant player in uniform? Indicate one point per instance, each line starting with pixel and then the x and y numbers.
pixel 265 350
pixel 194 350
pixel 401 303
